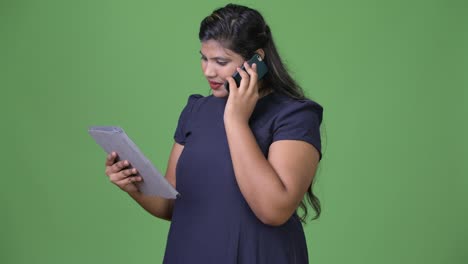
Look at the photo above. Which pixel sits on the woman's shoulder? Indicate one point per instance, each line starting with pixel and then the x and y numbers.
pixel 197 102
pixel 283 104
pixel 192 101
pixel 194 97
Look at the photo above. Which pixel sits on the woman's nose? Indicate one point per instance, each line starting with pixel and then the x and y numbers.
pixel 209 71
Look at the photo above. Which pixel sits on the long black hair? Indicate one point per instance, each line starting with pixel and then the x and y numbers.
pixel 244 30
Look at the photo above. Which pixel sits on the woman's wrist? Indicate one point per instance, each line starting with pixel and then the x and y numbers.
pixel 234 122
pixel 135 194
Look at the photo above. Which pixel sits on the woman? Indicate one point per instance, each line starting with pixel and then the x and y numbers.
pixel 242 160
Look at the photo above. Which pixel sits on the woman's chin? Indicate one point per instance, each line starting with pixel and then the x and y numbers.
pixel 221 92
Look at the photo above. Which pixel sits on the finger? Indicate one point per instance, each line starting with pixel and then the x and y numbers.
pixel 123 174
pixel 252 70
pixel 111 159
pixel 132 179
pixel 118 166
pixel 244 84
pixel 126 181
pixel 232 85
pixel 127 173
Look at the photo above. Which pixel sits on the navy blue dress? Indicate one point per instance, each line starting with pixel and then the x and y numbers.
pixel 211 221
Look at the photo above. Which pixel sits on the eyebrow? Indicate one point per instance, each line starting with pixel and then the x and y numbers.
pixel 217 58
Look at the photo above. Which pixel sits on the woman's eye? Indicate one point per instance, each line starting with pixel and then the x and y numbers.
pixel 203 58
pixel 222 63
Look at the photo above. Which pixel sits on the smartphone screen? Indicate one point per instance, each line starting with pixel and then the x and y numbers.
pixel 261 70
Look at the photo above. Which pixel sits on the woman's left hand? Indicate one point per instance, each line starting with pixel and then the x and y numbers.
pixel 242 100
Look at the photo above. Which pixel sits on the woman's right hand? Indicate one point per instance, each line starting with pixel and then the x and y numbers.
pixel 120 175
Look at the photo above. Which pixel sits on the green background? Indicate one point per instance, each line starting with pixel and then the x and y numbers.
pixel 391 75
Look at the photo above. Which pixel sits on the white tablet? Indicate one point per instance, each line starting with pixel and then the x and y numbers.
pixel 112 138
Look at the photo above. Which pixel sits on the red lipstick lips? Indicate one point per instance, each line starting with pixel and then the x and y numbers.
pixel 215 85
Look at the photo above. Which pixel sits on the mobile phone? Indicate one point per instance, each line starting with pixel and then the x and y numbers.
pixel 261 70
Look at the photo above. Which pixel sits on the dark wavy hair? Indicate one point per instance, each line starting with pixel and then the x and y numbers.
pixel 244 30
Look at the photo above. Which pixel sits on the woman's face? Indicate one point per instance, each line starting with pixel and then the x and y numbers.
pixel 218 63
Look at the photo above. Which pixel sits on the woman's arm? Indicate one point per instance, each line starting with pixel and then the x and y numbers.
pixel 273 188
pixel 157 206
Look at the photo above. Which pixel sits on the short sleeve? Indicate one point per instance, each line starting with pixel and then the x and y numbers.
pixel 182 130
pixel 300 120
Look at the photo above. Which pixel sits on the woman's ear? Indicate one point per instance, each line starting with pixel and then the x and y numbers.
pixel 261 53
